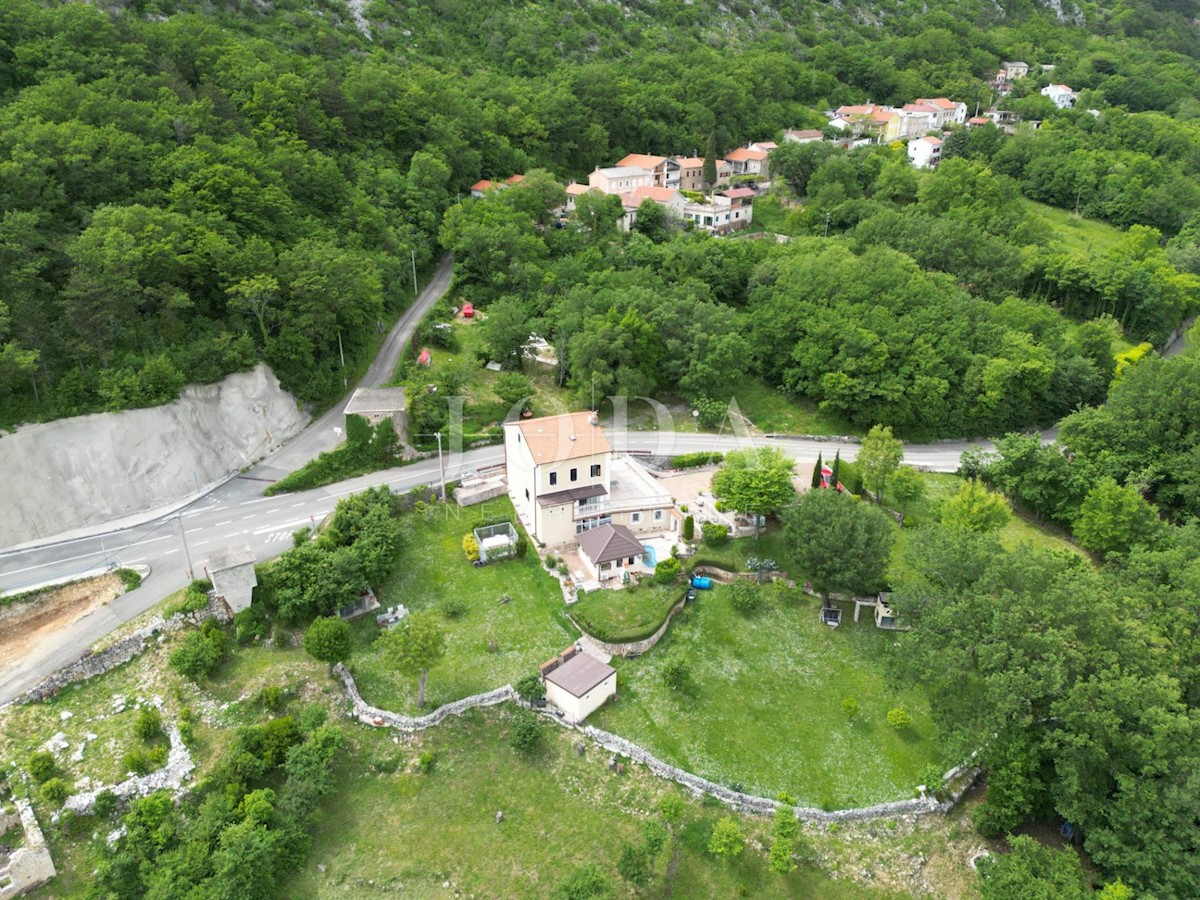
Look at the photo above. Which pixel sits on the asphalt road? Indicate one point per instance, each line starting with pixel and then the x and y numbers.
pixel 238 514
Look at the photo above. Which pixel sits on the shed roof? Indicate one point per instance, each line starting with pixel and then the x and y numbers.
pixel 569 436
pixel 376 400
pixel 609 542
pixel 230 557
pixel 580 674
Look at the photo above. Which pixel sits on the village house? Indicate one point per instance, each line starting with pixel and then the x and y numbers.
pixel 381 404
pixel 668 198
pixel 481 187
pixel 803 137
pixel 691 172
pixel 946 111
pixel 1014 70
pixel 866 119
pixel 1061 95
pixel 748 161
pixel 564 479
pixel 620 179
pixel 925 153
pixel 663 169
pixel 911 121
pixel 725 211
pixel 574 192
pixel 768 146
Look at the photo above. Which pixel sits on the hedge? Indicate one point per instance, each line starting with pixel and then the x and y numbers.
pixel 693 460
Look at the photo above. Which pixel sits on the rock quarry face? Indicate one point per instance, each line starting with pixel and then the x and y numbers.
pixel 88 470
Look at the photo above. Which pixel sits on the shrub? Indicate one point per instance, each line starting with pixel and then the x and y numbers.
pixel 745 596
pixel 201 652
pixel 144 761
pixel 41 766
pixel 530 687
pixel 426 762
pixel 689 528
pixel 727 839
pixel 55 791
pixel 187 733
pixel 693 460
pixel 667 571
pixel 149 724
pixel 453 607
pixel 634 865
pixel 551 560
pixel 328 640
pixel 715 534
pixel 850 707
pixel 104 804
pixel 249 625
pixel 130 578
pixel 654 833
pixel 899 718
pixel 676 673
pixel 272 698
pixel 470 547
pixel 526 731
pixel 672 808
pixel 585 882
pixel 522 546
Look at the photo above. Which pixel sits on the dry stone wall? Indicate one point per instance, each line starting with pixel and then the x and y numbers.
pixel 30 865
pixel 122 651
pixel 170 777
pixel 373 715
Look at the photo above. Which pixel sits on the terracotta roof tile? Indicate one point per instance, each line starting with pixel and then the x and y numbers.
pixel 569 436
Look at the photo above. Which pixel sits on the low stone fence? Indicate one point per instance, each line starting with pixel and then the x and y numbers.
pixel 94 663
pixel 747 802
pixel 178 769
pixel 372 715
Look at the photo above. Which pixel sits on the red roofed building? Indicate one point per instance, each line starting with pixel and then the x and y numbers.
pixel 746 161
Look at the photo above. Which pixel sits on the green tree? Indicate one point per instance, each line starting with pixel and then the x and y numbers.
pixel 1114 518
pixel 1032 871
pixel 975 508
pixel 414 646
pixel 328 640
pixel 816 476
pixel 653 220
pixel 709 171
pixel 526 732
pixel 841 544
pixel 907 486
pixel 756 482
pixel 727 839
pixel 879 458
pixel 505 332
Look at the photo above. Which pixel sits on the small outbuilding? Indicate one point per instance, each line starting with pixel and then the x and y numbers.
pixel 496 542
pixel 578 683
pixel 231 570
pixel 610 551
pixel 381 404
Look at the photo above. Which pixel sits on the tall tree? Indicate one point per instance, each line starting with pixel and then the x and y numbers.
pixel 415 646
pixel 709 172
pixel 1113 519
pixel 879 457
pixel 757 482
pixel 842 545
pixel 328 639
pixel 975 508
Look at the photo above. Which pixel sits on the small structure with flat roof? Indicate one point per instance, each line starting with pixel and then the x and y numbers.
pixel 578 683
pixel 379 404
pixel 231 570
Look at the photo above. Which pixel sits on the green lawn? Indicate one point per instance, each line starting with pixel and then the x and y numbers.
pixel 771 411
pixel 387 830
pixel 1074 232
pixel 765 706
pixel 626 615
pixel 492 643
pixel 769 215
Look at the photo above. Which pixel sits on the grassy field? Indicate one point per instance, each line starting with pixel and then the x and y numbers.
pixel 771 411
pixel 1074 232
pixel 769 215
pixel 491 643
pixel 764 708
pixel 387 829
pixel 626 615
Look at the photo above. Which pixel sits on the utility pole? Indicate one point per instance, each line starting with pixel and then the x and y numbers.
pixel 441 465
pixel 414 264
pixel 342 356
pixel 186 554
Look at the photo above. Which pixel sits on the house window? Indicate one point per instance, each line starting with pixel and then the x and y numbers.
pixel 574 474
pixel 658 515
pixel 553 478
pixel 631 560
pixel 596 471
pixel 635 518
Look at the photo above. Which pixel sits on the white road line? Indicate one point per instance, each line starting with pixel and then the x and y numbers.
pixel 219 524
pixel 169 552
pixel 136 559
pixel 244 518
pixel 165 537
pixel 294 505
pixel 55 562
pixel 282 527
pixel 259 500
pixel 202 543
pixel 269 511
pixel 194 530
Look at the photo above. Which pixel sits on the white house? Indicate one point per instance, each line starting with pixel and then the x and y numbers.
pixel 925 153
pixel 578 683
pixel 946 111
pixel 231 570
pixel 664 169
pixel 620 179
pixel 722 213
pixel 748 161
pixel 564 480
pixel 610 552
pixel 1014 70
pixel 807 136
pixel 1061 94
pixel 668 198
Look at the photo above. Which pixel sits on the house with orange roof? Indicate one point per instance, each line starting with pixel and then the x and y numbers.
pixel 564 479
pixel 668 198
pixel 807 136
pixel 620 179
pixel 748 161
pixel 514 179
pixel 691 172
pixel 946 111
pixel 925 153
pixel 866 118
pixel 1061 94
pixel 479 188
pixel 664 169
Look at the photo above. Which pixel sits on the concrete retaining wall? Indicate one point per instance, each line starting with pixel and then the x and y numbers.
pixel 88 470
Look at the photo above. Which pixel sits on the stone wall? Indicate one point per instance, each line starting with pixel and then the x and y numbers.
pixel 372 715
pixel 98 662
pixel 30 866
pixel 634 647
pixel 170 777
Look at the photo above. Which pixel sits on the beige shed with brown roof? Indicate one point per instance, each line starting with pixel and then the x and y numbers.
pixel 580 685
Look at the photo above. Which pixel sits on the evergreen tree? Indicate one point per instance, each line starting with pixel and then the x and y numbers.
pixel 816 479
pixel 710 161
pixel 837 469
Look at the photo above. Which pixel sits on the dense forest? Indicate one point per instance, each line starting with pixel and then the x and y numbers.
pixel 187 189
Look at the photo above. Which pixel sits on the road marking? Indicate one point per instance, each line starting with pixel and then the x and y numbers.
pixel 284 527
pixel 219 524
pixel 269 511
pixel 202 543
pixel 56 562
pixel 259 500
pixel 169 552
pixel 244 518
pixel 136 559
pixel 194 530
pixel 294 505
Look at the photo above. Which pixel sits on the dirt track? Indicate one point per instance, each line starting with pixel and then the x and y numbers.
pixel 25 625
